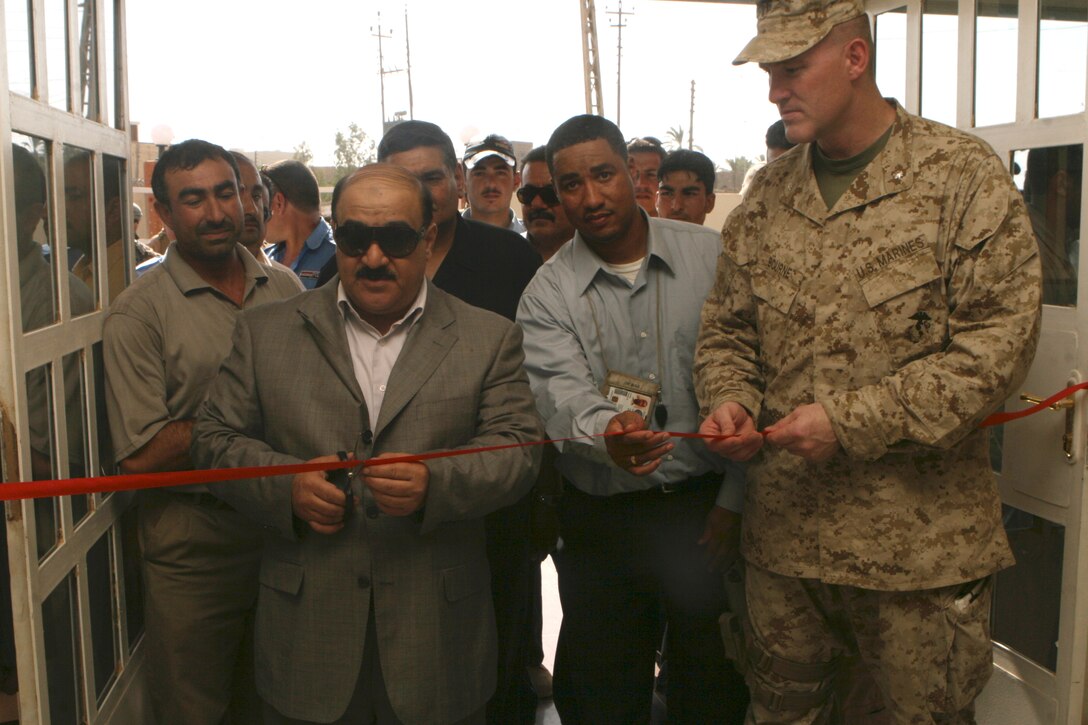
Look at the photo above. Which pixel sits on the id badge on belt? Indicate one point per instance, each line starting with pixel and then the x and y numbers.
pixel 627 392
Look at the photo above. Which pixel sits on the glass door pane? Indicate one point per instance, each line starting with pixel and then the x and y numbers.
pixel 20 46
pixel 60 627
pixel 1063 56
pixel 56 52
pixel 43 455
pixel 1050 179
pixel 940 60
pixel 38 294
pixel 995 62
pixel 1027 596
pixel 891 53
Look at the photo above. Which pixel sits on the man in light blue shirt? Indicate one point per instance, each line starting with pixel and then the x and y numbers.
pixel 610 325
pixel 301 239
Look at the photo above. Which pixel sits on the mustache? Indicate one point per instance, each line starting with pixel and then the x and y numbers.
pixel 251 219
pixel 535 214
pixel 227 225
pixel 375 274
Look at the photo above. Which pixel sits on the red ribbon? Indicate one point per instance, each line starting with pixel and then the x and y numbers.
pixel 1002 418
pixel 126 482
pixel 103 484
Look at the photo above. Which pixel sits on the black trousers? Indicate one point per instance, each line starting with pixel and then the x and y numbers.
pixel 514 702
pixel 626 563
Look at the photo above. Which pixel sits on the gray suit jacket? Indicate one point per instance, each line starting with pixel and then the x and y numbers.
pixel 288 393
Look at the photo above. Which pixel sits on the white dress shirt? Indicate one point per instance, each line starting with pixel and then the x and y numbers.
pixel 374 354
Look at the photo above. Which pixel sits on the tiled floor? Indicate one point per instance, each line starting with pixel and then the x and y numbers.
pixel 553 615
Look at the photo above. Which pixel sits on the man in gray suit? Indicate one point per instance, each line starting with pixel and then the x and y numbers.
pixel 374 607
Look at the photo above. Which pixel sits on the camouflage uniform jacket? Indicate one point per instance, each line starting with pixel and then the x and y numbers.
pixel 909 310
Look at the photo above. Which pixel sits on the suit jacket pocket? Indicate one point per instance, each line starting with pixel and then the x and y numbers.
pixel 461 581
pixel 283 576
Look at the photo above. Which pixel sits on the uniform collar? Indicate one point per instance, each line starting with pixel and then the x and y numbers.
pixel 318 236
pixel 891 172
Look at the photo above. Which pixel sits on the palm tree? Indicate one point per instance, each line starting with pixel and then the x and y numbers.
pixel 676 137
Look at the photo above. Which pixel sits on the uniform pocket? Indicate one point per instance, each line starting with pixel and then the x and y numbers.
pixel 907 302
pixel 969 662
pixel 773 289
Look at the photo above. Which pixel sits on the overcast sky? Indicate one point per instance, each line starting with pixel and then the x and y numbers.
pixel 269 75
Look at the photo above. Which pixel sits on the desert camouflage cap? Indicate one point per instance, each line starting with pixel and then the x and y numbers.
pixel 787 28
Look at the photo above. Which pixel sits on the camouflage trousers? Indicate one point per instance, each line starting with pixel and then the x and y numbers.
pixel 823 653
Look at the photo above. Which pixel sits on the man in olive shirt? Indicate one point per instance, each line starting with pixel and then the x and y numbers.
pixel 163 341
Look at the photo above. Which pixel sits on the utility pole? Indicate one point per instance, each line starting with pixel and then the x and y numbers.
pixel 382 72
pixel 591 68
pixel 408 56
pixel 381 60
pixel 691 118
pixel 619 25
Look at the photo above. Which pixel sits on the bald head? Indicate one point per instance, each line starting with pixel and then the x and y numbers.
pixel 390 175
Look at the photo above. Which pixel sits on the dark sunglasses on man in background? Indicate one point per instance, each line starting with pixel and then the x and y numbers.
pixel 527 193
pixel 396 240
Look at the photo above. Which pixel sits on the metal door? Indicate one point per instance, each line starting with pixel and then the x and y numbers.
pixel 1017 68
pixel 65 218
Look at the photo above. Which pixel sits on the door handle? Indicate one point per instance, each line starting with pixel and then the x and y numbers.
pixel 1069 405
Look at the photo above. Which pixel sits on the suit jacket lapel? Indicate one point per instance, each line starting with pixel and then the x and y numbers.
pixel 326 325
pixel 429 341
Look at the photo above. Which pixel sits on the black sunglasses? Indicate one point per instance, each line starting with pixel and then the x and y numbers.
pixel 527 193
pixel 396 240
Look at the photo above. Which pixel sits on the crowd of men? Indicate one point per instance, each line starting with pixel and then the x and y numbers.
pixel 873 297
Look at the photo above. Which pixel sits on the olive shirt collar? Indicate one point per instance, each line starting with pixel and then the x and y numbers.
pixel 189 282
pixel 891 172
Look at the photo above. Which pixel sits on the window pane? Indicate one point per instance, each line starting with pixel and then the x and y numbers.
pixel 103 606
pixel 940 36
pixel 1063 56
pixel 995 62
pixel 56 52
pixel 115 176
pixel 112 80
pixel 20 47
pixel 39 406
pixel 891 53
pixel 88 60
pixel 30 157
pixel 1050 179
pixel 60 627
pixel 79 215
pixel 76 428
pixel 1027 597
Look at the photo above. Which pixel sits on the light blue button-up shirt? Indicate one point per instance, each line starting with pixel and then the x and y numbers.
pixel 318 249
pixel 566 359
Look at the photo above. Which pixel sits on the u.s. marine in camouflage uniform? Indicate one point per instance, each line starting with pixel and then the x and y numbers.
pixel 867 319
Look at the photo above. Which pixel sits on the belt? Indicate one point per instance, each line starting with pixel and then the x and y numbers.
pixel 689 484
pixel 710 478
